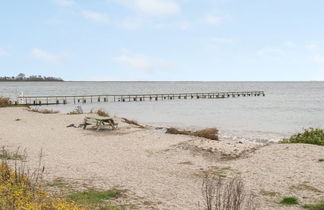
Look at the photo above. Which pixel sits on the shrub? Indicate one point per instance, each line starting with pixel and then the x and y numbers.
pixel 289 201
pixel 220 195
pixel 5 102
pixel 309 136
pixel 209 133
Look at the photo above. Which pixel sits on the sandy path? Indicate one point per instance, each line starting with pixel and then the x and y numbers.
pixel 147 162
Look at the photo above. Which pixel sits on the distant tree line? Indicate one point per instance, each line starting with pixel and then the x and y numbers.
pixel 22 77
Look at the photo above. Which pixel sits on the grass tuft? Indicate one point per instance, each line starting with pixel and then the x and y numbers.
pixel 5 102
pixel 309 136
pixel 318 206
pixel 209 133
pixel 321 160
pixel 93 197
pixel 289 201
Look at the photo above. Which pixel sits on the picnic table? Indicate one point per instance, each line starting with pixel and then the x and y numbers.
pixel 99 122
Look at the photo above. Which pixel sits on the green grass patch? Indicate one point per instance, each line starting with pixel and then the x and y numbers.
pixel 289 201
pixel 93 197
pixel 309 136
pixel 318 206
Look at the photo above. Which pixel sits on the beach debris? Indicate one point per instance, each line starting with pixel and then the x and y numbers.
pixel 208 133
pixel 17 119
pixel 71 125
pixel 132 122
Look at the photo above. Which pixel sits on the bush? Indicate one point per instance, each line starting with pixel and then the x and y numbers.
pixel 309 136
pixel 289 201
pixel 5 102
pixel 208 133
pixel 220 195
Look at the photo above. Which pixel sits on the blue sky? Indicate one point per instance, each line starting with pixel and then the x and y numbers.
pixel 209 40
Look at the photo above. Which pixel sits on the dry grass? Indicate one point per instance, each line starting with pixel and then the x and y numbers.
pixel 5 154
pixel 44 111
pixel 230 195
pixel 208 133
pixel 100 112
pixel 77 110
pixel 5 102
pixel 132 122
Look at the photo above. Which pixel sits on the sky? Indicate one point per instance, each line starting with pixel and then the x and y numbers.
pixel 163 40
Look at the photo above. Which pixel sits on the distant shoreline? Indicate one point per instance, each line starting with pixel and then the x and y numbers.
pixel 33 81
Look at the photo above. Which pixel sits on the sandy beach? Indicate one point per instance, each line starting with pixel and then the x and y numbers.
pixel 158 170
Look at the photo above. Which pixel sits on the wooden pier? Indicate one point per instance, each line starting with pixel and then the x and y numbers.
pixel 52 100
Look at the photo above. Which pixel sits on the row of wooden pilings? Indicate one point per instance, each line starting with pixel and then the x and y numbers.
pixel 50 100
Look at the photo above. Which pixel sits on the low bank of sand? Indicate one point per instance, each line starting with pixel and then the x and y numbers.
pixel 162 171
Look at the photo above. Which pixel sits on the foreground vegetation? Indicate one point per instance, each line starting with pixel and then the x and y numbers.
pixel 23 188
pixel 309 136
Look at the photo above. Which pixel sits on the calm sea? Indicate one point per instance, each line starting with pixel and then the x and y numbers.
pixel 288 107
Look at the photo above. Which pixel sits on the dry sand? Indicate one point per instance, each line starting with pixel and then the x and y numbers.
pixel 162 171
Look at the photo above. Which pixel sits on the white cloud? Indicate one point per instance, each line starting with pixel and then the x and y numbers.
pixel 95 16
pixel 3 52
pixel 48 57
pixel 139 62
pixel 152 7
pixel 313 47
pixel 65 2
pixel 318 59
pixel 214 20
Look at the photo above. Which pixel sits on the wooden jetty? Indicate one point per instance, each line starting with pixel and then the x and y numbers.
pixel 52 100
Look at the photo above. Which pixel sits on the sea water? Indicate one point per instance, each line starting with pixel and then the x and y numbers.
pixel 287 108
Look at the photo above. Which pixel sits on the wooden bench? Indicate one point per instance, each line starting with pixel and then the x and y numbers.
pixel 99 122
